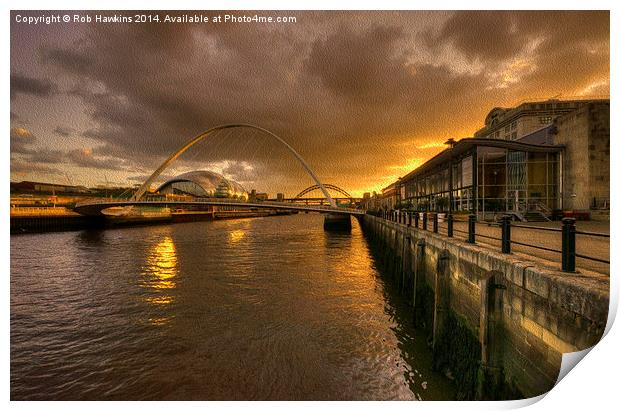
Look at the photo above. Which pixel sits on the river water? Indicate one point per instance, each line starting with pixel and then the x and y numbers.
pixel 264 308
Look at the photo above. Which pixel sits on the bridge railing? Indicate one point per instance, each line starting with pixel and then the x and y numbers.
pixel 34 211
pixel 445 226
pixel 210 201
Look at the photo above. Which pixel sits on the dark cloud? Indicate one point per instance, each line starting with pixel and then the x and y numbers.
pixel 347 66
pixel 70 60
pixel 24 169
pixel 493 36
pixel 33 86
pixel 75 157
pixel 63 131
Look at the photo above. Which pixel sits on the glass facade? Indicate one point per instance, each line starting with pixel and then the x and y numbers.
pixel 486 179
pixel 431 191
pixel 516 181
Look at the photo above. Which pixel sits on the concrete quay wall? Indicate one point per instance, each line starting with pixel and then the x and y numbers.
pixel 497 323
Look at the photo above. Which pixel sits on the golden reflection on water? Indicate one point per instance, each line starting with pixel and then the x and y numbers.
pixel 160 274
pixel 162 264
pixel 348 255
pixel 236 230
pixel 235 236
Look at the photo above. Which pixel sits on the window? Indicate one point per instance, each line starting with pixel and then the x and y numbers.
pixel 545 119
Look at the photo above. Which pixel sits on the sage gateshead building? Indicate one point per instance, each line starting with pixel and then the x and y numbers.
pixel 557 164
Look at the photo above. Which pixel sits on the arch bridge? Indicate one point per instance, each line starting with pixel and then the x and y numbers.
pixel 96 207
pixel 303 198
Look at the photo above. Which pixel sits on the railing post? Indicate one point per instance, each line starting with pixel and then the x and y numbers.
pixel 424 220
pixel 506 234
pixel 471 229
pixel 435 222
pixel 568 245
pixel 416 218
pixel 408 218
pixel 450 225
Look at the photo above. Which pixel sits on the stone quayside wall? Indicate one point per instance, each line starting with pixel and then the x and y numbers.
pixel 498 324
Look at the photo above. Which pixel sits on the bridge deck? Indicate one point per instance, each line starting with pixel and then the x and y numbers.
pixel 94 208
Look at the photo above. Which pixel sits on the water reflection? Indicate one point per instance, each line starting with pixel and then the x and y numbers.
pixel 237 230
pixel 287 312
pixel 235 236
pixel 159 276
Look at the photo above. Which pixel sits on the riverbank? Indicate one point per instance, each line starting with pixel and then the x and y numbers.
pixel 498 324
pixel 40 220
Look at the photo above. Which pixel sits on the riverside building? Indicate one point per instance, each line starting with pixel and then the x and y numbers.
pixel 536 161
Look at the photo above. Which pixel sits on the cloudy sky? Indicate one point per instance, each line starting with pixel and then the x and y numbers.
pixel 364 97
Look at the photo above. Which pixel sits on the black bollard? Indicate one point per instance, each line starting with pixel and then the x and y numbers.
pixel 435 222
pixel 568 245
pixel 506 234
pixel 450 225
pixel 472 229
pixel 424 220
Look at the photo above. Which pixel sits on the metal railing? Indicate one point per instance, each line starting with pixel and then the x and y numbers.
pixel 28 211
pixel 568 233
pixel 211 201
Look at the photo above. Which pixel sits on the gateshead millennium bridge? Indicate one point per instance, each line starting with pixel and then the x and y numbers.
pixel 333 211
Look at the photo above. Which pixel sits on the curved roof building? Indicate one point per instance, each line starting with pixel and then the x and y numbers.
pixel 203 183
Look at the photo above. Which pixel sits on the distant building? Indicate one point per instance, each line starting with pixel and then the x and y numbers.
pixel 262 196
pixel 37 187
pixel 370 201
pixel 516 122
pixel 562 165
pixel 280 197
pixel 389 197
pixel 203 183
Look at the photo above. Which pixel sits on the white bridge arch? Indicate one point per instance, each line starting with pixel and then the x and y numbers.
pixel 145 186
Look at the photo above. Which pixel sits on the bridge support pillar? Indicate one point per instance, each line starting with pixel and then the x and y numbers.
pixel 337 222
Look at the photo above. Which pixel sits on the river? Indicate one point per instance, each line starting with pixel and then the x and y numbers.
pixel 268 308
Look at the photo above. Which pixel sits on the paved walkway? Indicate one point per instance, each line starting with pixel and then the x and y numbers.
pixel 586 245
